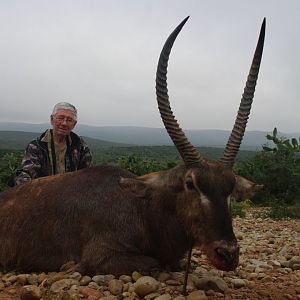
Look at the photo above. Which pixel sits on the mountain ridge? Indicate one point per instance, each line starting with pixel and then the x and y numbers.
pixel 147 136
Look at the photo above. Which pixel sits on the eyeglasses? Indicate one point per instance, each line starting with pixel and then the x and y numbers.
pixel 61 119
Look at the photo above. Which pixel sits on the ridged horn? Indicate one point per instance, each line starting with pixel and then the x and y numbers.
pixel 187 151
pixel 236 137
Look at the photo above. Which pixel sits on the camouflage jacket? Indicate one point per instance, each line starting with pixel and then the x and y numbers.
pixel 37 161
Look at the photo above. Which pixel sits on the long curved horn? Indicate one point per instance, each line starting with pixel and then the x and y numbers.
pixel 188 152
pixel 239 127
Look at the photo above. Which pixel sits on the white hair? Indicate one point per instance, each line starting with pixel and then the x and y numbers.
pixel 65 105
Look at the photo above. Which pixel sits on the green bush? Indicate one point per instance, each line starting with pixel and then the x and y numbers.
pixel 278 168
pixel 280 212
pixel 9 162
pixel 139 166
pixel 239 208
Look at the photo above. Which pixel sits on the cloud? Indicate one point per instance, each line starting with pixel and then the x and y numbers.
pixel 102 56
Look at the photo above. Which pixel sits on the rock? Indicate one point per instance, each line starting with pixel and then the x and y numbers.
pixel 216 284
pixel 136 275
pixel 75 275
pixel 62 284
pixel 126 278
pixel 99 279
pixel 296 267
pixel 164 297
pixel 115 286
pixel 93 285
pixel 85 280
pixel 12 279
pixel 173 282
pixel 274 263
pixel 109 298
pixel 267 279
pixel 238 283
pixel 179 298
pixel 89 292
pixel 2 286
pixel 22 279
pixel 163 277
pixel 145 285
pixel 295 260
pixel 30 292
pixel 152 296
pixel 103 279
pixel 197 295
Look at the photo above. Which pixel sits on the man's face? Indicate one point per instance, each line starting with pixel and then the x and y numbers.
pixel 63 122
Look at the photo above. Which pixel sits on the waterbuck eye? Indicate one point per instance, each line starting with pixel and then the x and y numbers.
pixel 190 184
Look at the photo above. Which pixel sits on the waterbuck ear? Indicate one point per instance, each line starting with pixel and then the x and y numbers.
pixel 245 189
pixel 136 185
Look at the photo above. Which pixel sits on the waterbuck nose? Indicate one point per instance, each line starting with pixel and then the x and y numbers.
pixel 228 255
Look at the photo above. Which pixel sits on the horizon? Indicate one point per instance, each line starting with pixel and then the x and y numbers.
pixel 48 125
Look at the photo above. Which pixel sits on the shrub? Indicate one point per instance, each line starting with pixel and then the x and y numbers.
pixel 239 208
pixel 280 212
pixel 278 168
pixel 9 163
pixel 137 165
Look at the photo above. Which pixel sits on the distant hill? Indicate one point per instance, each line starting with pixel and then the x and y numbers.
pixel 16 140
pixel 151 136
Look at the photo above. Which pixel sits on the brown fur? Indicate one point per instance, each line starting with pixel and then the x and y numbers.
pixel 109 221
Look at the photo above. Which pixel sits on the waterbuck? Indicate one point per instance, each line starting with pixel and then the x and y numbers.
pixel 107 220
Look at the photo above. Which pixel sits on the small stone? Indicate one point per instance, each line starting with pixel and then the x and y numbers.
pixel 109 298
pixel 2 286
pixel 163 277
pixel 22 279
pixel 12 279
pixel 136 275
pixel 126 278
pixel 173 282
pixel 210 293
pixel 151 296
pixel 85 280
pixel 30 292
pixel 267 279
pixel 211 283
pixel 274 263
pixel 88 292
pixel 252 276
pixel 12 291
pixel 75 275
pixel 62 284
pixel 41 277
pixel 239 236
pixel 197 295
pixel 296 267
pixel 115 286
pixel 145 285
pixel 164 297
pixel 238 283
pixel 99 279
pixel 179 298
pixel 93 285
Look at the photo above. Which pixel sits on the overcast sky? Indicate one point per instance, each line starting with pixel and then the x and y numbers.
pixel 102 57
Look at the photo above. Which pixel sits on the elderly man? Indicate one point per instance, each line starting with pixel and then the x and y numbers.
pixel 57 150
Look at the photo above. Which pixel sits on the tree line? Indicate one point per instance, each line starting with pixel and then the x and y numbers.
pixel 276 165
